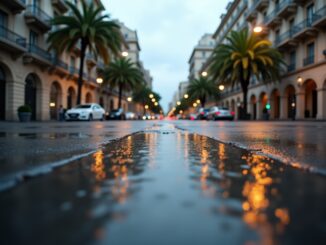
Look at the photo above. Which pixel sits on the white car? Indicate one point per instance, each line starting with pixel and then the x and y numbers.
pixel 86 112
pixel 220 113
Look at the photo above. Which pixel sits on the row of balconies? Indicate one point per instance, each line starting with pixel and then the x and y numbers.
pixel 306 28
pixel 233 19
pixel 16 45
pixel 17 6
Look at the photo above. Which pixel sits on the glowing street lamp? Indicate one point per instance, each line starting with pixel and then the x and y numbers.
pixel 258 29
pixel 178 103
pixel 125 54
pixel 300 81
pixel 146 107
pixel 198 101
pixel 221 87
pixel 129 99
pixel 52 104
pixel 181 111
pixel 151 96
pixel 99 80
pixel 186 96
pixel 153 100
pixel 156 104
pixel 195 104
pixel 204 73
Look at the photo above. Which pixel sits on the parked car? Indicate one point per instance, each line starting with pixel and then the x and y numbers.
pixel 85 112
pixel 130 116
pixel 220 113
pixel 147 117
pixel 116 114
pixel 202 114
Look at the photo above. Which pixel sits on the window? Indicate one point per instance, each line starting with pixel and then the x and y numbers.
pixel 310 13
pixel 204 54
pixel 72 61
pixel 311 50
pixel 291 25
pixel 33 37
pixel 3 19
pixel 292 57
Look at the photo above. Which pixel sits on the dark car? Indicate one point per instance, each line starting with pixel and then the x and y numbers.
pixel 202 114
pixel 117 114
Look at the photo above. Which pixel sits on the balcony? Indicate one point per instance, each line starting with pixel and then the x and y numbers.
pixel 285 40
pixel 73 72
pixel 12 42
pixel 37 55
pixel 260 5
pixel 319 18
pixel 304 30
pixel 59 67
pixel 272 19
pixel 300 2
pixel 90 60
pixel 285 8
pixel 37 18
pixel 309 60
pixel 291 67
pixel 251 13
pixel 60 5
pixel 15 6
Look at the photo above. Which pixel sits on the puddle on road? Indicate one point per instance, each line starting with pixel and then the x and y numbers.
pixel 167 188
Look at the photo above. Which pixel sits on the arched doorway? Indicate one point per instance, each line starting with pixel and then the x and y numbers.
pixel 101 101
pixel 253 107
pixel 71 97
pixel 89 98
pixel 263 112
pixel 111 104
pixel 2 94
pixel 227 105
pixel 275 104
pixel 310 99
pixel 291 101
pixel 55 100
pixel 31 93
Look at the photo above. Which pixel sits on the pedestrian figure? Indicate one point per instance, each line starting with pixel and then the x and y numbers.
pixel 61 113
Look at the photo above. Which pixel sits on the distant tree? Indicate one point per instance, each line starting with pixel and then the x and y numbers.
pixel 89 29
pixel 202 89
pixel 123 74
pixel 243 56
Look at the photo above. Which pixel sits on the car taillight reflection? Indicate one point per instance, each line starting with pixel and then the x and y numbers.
pixel 202 113
pixel 232 113
pixel 217 113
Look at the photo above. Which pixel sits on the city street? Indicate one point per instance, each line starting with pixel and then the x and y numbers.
pixel 163 182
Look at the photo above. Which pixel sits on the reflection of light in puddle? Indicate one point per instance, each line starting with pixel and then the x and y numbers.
pixel 256 203
pixel 98 167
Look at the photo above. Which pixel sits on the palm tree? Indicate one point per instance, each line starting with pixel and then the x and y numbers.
pixel 122 73
pixel 243 56
pixel 202 89
pixel 142 95
pixel 89 29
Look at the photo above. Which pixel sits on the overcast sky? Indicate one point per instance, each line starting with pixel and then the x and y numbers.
pixel 167 30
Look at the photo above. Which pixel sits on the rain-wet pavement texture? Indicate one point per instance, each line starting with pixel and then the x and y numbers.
pixel 166 186
pixel 299 143
pixel 33 148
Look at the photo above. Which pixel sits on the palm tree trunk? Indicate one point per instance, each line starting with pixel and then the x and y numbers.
pixel 81 71
pixel 203 101
pixel 120 95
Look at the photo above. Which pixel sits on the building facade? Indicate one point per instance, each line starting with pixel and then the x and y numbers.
pixel 297 28
pixel 30 74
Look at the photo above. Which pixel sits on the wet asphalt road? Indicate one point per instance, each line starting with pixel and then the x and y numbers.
pixel 300 143
pixel 163 186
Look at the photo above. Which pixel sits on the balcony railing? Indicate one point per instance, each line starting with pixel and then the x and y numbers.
pixel 12 37
pixel 57 62
pixel 301 26
pixel 34 49
pixel 291 67
pixel 319 14
pixel 42 18
pixel 309 60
